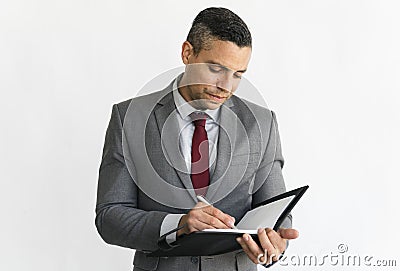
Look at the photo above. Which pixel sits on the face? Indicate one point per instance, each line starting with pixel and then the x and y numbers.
pixel 212 76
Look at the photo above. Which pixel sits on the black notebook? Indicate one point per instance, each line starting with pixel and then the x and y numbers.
pixel 268 214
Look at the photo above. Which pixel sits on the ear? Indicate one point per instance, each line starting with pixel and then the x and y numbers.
pixel 187 52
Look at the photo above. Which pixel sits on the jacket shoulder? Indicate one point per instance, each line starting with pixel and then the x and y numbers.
pixel 147 99
pixel 246 108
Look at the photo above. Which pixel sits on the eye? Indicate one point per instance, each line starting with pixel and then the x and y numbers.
pixel 237 75
pixel 214 68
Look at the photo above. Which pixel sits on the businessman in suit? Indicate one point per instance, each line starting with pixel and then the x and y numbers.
pixel 195 137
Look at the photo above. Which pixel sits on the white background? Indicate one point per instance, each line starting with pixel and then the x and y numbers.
pixel 329 69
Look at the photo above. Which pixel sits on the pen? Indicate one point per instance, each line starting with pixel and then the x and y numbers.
pixel 202 199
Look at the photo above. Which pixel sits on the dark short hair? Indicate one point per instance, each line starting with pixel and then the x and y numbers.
pixel 218 24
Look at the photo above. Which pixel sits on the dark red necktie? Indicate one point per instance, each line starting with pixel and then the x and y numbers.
pixel 200 162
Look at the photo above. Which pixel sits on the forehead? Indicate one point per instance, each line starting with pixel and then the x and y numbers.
pixel 227 54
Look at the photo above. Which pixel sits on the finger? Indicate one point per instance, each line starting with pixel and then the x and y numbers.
pixel 200 219
pixel 277 241
pixel 288 233
pixel 212 221
pixel 195 223
pixel 226 219
pixel 246 249
pixel 207 221
pixel 221 216
pixel 267 245
pixel 253 247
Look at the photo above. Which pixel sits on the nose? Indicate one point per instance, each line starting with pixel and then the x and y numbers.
pixel 225 82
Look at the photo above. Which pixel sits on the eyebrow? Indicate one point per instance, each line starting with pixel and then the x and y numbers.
pixel 214 62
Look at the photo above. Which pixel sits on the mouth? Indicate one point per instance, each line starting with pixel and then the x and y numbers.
pixel 217 98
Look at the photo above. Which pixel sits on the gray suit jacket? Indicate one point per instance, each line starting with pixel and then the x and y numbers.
pixel 132 201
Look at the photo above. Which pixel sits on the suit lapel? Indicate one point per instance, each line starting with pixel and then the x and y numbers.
pixel 169 133
pixel 226 146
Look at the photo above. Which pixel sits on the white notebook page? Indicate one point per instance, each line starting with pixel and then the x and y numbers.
pixel 264 216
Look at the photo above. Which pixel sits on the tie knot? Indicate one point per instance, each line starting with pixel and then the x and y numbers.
pixel 199 118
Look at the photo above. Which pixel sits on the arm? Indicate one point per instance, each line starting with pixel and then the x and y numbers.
pixel 266 187
pixel 119 219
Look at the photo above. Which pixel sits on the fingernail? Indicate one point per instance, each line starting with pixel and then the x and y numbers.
pixel 260 230
pixel 246 237
pixel 231 224
pixel 238 239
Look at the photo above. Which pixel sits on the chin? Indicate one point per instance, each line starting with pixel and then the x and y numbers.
pixel 206 104
pixel 213 105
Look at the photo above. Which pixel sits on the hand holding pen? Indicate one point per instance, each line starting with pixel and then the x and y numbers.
pixel 205 216
pixel 203 199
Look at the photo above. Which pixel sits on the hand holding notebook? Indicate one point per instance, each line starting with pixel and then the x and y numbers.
pixel 269 214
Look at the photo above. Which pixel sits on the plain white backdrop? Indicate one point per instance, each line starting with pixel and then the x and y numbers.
pixel 329 69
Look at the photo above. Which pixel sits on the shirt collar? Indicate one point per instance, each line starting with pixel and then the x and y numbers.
pixel 185 109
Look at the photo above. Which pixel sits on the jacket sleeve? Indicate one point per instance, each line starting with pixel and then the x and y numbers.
pixel 269 180
pixel 119 219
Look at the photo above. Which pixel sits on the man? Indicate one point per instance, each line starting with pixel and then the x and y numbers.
pixel 194 137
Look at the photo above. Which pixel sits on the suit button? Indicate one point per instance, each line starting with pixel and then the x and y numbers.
pixel 194 259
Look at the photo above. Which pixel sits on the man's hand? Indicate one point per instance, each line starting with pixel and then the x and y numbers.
pixel 273 244
pixel 204 216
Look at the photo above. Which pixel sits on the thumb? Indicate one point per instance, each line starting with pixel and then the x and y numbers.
pixel 288 233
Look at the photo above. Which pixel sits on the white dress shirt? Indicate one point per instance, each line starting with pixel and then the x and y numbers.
pixel 186 128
